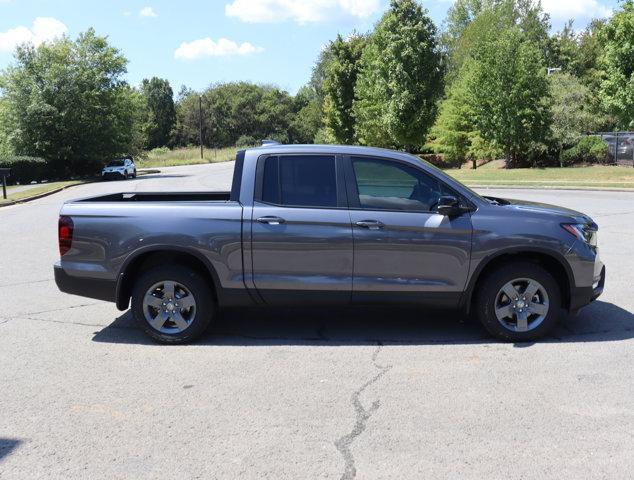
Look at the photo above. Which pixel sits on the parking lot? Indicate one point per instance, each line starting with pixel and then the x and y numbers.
pixel 365 393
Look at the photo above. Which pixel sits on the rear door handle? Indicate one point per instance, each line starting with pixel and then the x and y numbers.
pixel 271 220
pixel 370 224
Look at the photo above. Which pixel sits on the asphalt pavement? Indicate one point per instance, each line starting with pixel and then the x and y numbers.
pixel 306 394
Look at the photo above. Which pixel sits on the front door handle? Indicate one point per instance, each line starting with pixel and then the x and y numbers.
pixel 271 220
pixel 370 224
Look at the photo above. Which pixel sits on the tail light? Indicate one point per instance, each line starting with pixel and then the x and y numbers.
pixel 65 234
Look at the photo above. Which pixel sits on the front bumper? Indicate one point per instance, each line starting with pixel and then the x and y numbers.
pixel 112 176
pixel 582 296
pixel 84 287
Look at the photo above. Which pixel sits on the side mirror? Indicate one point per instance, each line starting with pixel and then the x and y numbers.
pixel 449 206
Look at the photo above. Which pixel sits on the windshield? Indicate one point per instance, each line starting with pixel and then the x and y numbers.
pixel 116 163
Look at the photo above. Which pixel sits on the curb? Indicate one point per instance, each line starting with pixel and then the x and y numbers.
pixel 57 190
pixel 40 195
pixel 553 187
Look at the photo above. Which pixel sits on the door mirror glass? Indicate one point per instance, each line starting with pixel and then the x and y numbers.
pixel 449 205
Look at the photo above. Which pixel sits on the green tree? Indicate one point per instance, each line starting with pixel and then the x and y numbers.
pixel 587 62
pixel 472 23
pixel 617 88
pixel 509 92
pixel 455 123
pixel 68 103
pixel 339 86
pixel 578 53
pixel 482 29
pixel 455 131
pixel 400 80
pixel 572 116
pixel 308 117
pixel 232 110
pixel 459 17
pixel 5 145
pixel 534 24
pixel 160 111
pixel 320 70
pixel 563 49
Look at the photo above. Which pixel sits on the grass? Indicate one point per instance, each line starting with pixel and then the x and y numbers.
pixel 15 193
pixel 163 157
pixel 579 177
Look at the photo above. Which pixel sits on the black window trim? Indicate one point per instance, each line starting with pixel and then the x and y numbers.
pixel 353 192
pixel 342 197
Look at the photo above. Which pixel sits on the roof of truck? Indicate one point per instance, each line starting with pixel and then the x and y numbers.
pixel 317 148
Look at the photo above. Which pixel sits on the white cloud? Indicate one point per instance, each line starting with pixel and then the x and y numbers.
pixel 147 12
pixel 565 9
pixel 206 47
pixel 44 29
pixel 301 11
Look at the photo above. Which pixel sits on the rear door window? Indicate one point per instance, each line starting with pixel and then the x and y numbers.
pixel 300 181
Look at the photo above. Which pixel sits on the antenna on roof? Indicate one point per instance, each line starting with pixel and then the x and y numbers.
pixel 266 143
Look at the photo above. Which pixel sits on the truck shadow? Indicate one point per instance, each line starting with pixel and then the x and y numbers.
pixel 7 445
pixel 599 322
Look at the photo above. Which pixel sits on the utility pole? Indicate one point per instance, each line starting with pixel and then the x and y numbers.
pixel 200 123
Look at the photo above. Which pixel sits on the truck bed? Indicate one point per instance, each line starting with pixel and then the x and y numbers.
pixel 160 197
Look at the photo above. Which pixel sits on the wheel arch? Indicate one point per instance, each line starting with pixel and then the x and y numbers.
pixel 158 255
pixel 553 262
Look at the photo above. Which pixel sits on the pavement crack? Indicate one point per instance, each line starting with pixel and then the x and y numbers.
pixel 344 444
pixel 64 308
pixel 30 282
pixel 49 320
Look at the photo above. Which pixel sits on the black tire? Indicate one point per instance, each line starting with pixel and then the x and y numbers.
pixel 197 286
pixel 134 173
pixel 487 295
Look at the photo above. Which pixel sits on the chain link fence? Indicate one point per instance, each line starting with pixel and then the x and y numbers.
pixel 620 146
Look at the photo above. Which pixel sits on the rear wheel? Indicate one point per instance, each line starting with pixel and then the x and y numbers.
pixel 172 304
pixel 519 302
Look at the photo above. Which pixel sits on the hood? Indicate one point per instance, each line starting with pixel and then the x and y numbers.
pixel 544 208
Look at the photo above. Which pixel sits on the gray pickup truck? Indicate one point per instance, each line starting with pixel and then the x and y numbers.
pixel 327 225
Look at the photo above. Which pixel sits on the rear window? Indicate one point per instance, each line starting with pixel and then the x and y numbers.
pixel 116 163
pixel 300 180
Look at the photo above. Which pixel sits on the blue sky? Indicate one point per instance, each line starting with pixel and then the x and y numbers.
pixel 196 42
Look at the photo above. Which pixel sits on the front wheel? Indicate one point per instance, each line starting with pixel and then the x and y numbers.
pixel 172 304
pixel 519 302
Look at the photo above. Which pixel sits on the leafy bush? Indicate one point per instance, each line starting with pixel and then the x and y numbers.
pixel 587 150
pixel 246 141
pixel 159 150
pixel 24 169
